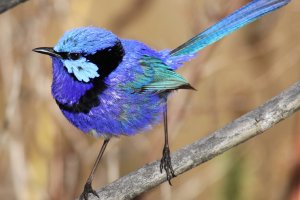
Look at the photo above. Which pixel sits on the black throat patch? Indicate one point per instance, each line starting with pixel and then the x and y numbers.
pixel 107 61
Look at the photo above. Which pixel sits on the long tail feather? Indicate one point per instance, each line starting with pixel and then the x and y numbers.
pixel 243 16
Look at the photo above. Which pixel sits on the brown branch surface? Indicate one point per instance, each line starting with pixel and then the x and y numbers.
pixel 8 4
pixel 240 130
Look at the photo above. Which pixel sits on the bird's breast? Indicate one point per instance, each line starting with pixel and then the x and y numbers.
pixel 117 113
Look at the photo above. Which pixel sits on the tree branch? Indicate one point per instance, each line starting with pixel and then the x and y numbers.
pixel 8 4
pixel 240 130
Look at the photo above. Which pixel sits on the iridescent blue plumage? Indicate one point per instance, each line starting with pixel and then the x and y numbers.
pixel 241 17
pixel 109 86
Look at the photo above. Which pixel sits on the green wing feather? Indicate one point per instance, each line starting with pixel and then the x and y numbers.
pixel 157 77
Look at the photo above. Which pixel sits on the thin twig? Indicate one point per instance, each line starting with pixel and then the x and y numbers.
pixel 240 130
pixel 8 4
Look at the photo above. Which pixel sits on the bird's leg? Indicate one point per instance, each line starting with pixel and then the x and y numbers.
pixel 88 185
pixel 165 162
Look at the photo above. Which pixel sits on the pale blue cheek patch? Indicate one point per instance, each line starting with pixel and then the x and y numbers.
pixel 82 69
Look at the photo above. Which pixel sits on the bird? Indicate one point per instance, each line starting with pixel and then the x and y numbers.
pixel 107 86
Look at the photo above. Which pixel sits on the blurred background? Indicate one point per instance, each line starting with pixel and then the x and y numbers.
pixel 42 156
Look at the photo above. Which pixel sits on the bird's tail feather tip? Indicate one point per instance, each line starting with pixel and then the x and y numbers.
pixel 187 87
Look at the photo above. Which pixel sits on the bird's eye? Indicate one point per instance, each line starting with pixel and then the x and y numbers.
pixel 74 56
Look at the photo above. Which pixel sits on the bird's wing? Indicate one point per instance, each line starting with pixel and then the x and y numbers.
pixel 245 15
pixel 157 77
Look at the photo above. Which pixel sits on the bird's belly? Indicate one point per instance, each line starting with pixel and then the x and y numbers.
pixel 121 115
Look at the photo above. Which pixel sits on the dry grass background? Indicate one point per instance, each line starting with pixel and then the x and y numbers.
pixel 44 157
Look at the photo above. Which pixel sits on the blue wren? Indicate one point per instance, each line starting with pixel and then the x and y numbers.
pixel 107 86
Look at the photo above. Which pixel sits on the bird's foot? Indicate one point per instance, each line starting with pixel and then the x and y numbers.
pixel 88 190
pixel 166 164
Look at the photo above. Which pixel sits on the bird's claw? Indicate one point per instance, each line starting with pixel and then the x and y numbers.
pixel 88 190
pixel 166 164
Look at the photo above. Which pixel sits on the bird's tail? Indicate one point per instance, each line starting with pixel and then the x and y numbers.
pixel 243 16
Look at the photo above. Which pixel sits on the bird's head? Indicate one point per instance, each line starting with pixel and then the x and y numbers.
pixel 87 53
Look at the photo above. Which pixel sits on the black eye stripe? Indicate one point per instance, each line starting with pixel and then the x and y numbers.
pixel 74 56
pixel 70 56
pixel 107 59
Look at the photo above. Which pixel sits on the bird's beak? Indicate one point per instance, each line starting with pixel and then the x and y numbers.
pixel 48 51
